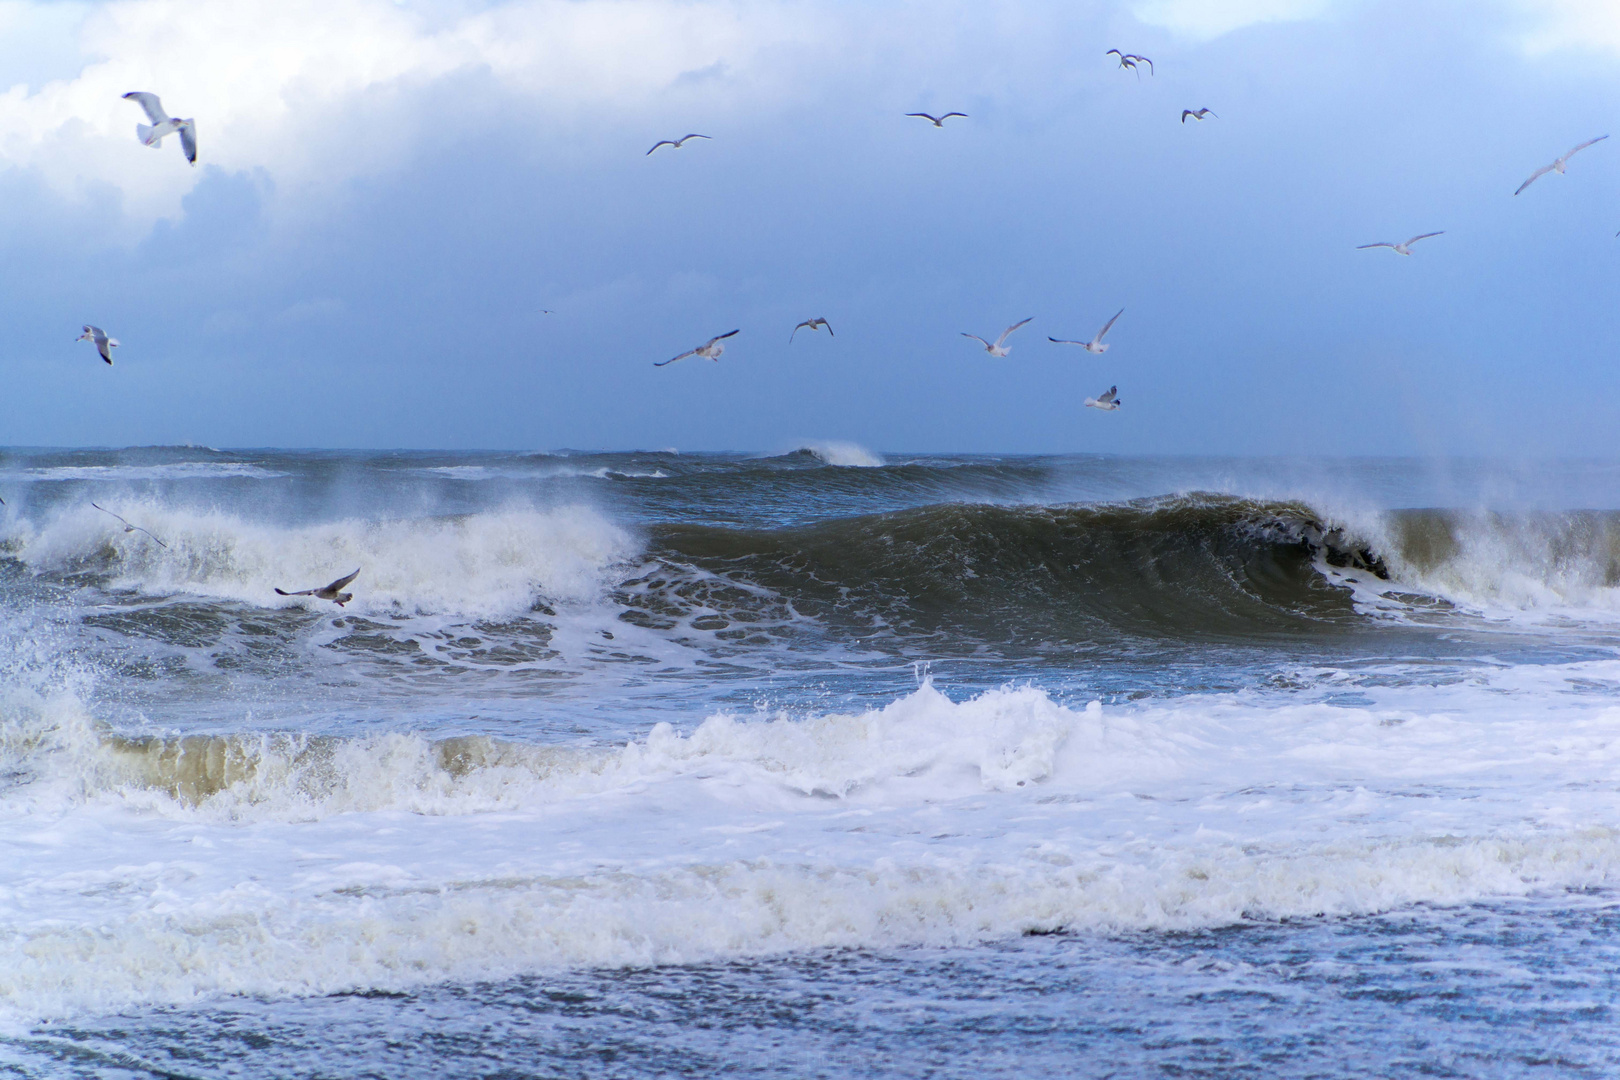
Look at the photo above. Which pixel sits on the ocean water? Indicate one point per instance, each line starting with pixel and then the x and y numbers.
pixel 829 763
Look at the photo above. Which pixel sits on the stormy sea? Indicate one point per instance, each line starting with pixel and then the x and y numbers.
pixel 827 763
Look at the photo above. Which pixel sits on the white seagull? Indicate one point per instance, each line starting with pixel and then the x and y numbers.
pixel 1000 348
pixel 1107 402
pixel 1095 345
pixel 1197 114
pixel 131 528
pixel 938 121
pixel 1130 60
pixel 813 324
pixel 163 124
pixel 1558 166
pixel 1404 247
pixel 676 143
pixel 709 350
pixel 104 344
pixel 333 592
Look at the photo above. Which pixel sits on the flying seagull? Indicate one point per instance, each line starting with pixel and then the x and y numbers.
pixel 1403 248
pixel 1000 348
pixel 163 124
pixel 813 324
pixel 1558 166
pixel 938 121
pixel 1197 114
pixel 1130 60
pixel 1095 345
pixel 130 528
pixel 104 344
pixel 1107 402
pixel 709 350
pixel 676 143
pixel 333 592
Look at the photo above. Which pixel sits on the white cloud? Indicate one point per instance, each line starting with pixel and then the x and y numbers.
pixel 1570 24
pixel 293 87
pixel 1211 18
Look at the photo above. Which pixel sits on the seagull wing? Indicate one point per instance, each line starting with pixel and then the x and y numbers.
pixel 1381 243
pixel 977 338
pixel 1104 399
pixel 1115 52
pixel 662 142
pixel 1581 147
pixel 1184 114
pixel 188 139
pixel 1008 332
pixel 1537 175
pixel 153 535
pixel 149 102
pixel 1146 61
pixel 337 586
pixel 104 346
pixel 104 510
pixel 925 116
pixel 682 140
pixel 828 325
pixel 300 592
pixel 721 337
pixel 671 360
pixel 1424 236
pixel 1064 341
pixel 1110 324
pixel 796 330
pixel 963 115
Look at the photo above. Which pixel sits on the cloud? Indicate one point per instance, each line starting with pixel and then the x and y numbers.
pixel 1551 25
pixel 1204 19
pixel 313 92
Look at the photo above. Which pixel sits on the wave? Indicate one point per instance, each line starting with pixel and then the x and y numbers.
pixel 844 454
pixel 500 562
pixel 179 470
pixel 928 821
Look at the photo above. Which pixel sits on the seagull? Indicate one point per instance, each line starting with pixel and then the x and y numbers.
pixel 1107 402
pixel 709 350
pixel 1403 248
pixel 131 528
pixel 938 121
pixel 1095 345
pixel 999 348
pixel 1558 166
pixel 676 143
pixel 163 124
pixel 104 344
pixel 1130 60
pixel 813 324
pixel 333 592
pixel 1196 114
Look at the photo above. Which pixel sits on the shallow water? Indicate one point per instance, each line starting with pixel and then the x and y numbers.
pixel 829 763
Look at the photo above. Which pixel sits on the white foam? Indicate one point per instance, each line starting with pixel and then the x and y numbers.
pixel 498 562
pixel 845 454
pixel 389 860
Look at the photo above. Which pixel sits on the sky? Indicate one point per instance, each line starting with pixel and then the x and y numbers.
pixel 389 195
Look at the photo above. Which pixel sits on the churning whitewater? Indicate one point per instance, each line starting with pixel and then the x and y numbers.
pixel 595 712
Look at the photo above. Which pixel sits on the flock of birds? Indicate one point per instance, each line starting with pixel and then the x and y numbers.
pixel 163 125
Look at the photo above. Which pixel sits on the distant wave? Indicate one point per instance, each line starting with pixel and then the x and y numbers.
pixel 845 454
pixel 177 470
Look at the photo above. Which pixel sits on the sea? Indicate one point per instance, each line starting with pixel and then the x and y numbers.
pixel 823 763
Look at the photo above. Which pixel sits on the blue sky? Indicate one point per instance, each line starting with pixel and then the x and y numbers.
pixel 389 193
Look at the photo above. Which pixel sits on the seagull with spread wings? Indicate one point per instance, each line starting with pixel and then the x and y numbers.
pixel 1558 166
pixel 813 325
pixel 131 528
pixel 1107 401
pixel 1404 247
pixel 1197 114
pixel 938 121
pixel 709 350
pixel 1000 348
pixel 1095 345
pixel 104 344
pixel 163 125
pixel 1130 60
pixel 676 143
pixel 333 592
